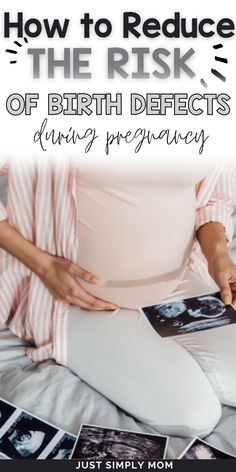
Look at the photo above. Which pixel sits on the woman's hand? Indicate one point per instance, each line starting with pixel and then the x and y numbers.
pixel 223 271
pixel 60 276
pixel 221 268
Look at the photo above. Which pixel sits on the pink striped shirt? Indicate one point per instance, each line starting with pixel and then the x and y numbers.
pixel 42 205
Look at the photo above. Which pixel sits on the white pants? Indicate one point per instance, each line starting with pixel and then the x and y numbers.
pixel 175 384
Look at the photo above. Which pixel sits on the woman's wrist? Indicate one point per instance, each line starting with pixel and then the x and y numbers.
pixel 39 262
pixel 24 250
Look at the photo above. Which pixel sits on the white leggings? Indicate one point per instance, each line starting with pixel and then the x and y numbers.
pixel 174 384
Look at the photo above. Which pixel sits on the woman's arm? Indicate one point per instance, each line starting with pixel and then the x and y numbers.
pixel 59 275
pixel 14 243
pixel 222 269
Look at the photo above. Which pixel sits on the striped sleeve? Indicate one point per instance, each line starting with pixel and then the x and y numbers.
pixel 3 212
pixel 219 206
pixel 4 167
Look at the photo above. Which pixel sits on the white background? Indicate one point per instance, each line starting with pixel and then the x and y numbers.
pixel 17 131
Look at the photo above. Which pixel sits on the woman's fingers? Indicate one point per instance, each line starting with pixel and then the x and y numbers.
pixel 60 279
pixel 75 301
pixel 225 291
pixel 78 294
pixel 222 278
pixel 233 290
pixel 92 307
pixel 223 271
pixel 77 271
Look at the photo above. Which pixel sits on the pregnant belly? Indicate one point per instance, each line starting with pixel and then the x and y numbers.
pixel 138 250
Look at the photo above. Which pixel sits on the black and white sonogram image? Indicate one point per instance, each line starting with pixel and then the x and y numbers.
pixel 26 437
pixel 63 448
pixel 6 411
pixel 95 442
pixel 199 449
pixel 189 315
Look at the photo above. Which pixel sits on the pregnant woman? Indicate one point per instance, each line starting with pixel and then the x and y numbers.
pixel 86 243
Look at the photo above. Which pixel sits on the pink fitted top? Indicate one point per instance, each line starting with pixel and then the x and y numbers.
pixel 136 226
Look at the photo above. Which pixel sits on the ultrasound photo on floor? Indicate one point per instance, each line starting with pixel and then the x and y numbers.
pixel 63 448
pixel 199 449
pixel 95 442
pixel 189 315
pixel 2 457
pixel 26 437
pixel 6 411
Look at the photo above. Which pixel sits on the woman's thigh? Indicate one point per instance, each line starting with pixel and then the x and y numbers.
pixel 155 379
pixel 214 349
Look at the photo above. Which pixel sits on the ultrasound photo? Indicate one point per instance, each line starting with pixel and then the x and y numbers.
pixel 188 315
pixel 199 449
pixel 95 442
pixel 63 448
pixel 3 457
pixel 26 437
pixel 6 411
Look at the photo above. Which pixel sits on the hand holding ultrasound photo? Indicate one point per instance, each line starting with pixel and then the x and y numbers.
pixel 188 315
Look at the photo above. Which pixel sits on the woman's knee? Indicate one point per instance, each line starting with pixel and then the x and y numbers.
pixel 202 418
pixel 190 418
